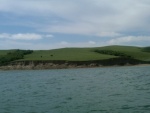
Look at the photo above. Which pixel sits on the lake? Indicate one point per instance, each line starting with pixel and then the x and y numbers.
pixel 86 90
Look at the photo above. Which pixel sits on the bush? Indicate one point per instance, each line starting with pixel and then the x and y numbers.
pixel 110 52
pixel 146 49
pixel 15 55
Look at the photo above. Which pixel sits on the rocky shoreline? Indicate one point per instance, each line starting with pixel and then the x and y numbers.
pixel 42 66
pixel 60 64
pixel 51 66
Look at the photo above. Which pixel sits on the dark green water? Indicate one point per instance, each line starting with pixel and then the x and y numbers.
pixel 96 90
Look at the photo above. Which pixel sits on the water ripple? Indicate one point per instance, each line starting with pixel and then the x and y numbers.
pixel 96 90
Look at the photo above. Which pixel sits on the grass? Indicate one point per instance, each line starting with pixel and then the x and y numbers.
pixel 84 54
pixel 135 52
pixel 4 52
pixel 70 54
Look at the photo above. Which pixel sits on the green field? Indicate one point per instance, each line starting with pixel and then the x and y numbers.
pixel 84 54
pixel 4 52
pixel 135 52
pixel 70 54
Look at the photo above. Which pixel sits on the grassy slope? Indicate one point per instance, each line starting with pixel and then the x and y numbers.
pixel 135 52
pixel 70 54
pixel 84 54
pixel 4 52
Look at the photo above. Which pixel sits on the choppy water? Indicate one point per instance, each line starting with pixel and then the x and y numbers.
pixel 96 90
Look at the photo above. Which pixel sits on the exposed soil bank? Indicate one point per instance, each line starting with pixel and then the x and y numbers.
pixel 60 64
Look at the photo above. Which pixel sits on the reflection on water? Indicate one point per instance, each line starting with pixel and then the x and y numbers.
pixel 96 90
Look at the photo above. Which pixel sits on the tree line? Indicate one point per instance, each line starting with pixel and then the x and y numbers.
pixel 146 49
pixel 114 53
pixel 14 55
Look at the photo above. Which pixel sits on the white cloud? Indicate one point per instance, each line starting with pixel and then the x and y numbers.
pixel 4 35
pixel 113 19
pixel 109 34
pixel 129 39
pixel 94 17
pixel 77 44
pixel 78 28
pixel 64 43
pixel 104 18
pixel 92 42
pixel 26 36
pixel 49 36
pixel 15 44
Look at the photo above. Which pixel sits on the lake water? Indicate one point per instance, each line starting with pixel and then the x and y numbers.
pixel 88 90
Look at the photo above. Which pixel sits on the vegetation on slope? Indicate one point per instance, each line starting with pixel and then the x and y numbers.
pixel 111 52
pixel 68 54
pixel 4 52
pixel 86 54
pixel 146 49
pixel 105 55
pixel 134 52
pixel 13 55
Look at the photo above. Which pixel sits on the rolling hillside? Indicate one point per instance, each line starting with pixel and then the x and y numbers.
pixel 4 52
pixel 69 54
pixel 85 54
pixel 80 54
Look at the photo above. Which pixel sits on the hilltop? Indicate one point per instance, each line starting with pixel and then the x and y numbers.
pixel 65 57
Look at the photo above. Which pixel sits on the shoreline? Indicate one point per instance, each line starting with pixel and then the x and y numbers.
pixel 56 66
pixel 62 64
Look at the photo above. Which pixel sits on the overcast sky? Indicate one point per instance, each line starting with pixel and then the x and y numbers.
pixel 48 24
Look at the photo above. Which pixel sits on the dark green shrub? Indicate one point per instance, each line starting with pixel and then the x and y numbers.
pixel 15 55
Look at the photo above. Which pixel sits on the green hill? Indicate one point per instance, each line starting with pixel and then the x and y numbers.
pixel 146 49
pixel 85 54
pixel 82 54
pixel 135 52
pixel 69 54
pixel 4 52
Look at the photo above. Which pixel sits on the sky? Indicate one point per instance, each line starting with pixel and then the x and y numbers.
pixel 50 24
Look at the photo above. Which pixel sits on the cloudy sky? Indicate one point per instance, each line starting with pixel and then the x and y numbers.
pixel 48 24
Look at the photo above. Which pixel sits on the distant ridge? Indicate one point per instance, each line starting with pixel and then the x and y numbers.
pixel 122 55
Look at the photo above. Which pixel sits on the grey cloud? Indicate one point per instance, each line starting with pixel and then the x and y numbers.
pixel 85 16
pixel 25 36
